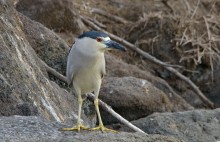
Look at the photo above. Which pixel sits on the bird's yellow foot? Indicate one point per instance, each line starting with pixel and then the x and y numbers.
pixel 78 127
pixel 103 128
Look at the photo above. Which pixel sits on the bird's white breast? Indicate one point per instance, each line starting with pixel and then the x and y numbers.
pixel 87 67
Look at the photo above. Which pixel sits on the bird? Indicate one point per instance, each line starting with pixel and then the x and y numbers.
pixel 86 68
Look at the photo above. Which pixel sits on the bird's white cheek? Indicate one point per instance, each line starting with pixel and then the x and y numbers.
pixel 108 48
pixel 100 46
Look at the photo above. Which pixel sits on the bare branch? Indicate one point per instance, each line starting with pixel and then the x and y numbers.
pixel 195 88
pixel 53 71
pixel 108 15
pixel 116 115
pixel 97 23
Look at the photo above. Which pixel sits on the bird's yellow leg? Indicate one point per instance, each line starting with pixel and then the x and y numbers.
pixel 78 125
pixel 101 126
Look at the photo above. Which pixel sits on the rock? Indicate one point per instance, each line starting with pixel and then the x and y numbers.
pixel 46 44
pixel 133 98
pixel 59 15
pixel 193 126
pixel 118 68
pixel 24 86
pixel 26 129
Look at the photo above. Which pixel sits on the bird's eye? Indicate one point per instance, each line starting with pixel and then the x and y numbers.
pixel 98 39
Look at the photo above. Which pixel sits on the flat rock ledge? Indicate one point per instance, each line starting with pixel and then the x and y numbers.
pixel 36 129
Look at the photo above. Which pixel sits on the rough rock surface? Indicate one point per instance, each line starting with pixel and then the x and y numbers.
pixel 118 68
pixel 46 44
pixel 191 126
pixel 58 15
pixel 24 86
pixel 133 98
pixel 31 129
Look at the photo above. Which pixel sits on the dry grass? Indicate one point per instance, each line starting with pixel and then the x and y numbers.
pixel 198 39
pixel 196 35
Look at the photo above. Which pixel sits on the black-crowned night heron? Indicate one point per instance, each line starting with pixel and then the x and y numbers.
pixel 86 68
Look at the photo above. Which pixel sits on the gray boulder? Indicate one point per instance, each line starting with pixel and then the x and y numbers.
pixel 191 126
pixel 46 44
pixel 33 129
pixel 24 85
pixel 58 15
pixel 118 68
pixel 133 98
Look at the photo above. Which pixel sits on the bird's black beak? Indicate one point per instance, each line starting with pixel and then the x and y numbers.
pixel 113 44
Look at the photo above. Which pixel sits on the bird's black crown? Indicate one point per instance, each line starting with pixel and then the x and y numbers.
pixel 92 34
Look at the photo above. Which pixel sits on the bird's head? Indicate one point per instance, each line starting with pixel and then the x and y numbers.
pixel 99 41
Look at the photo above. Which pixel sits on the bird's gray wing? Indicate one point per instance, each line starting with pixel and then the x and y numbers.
pixel 103 71
pixel 71 69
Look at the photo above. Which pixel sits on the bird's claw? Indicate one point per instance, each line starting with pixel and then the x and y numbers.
pixel 103 129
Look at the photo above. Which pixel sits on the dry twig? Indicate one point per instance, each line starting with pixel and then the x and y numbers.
pixel 187 5
pixel 108 15
pixel 166 3
pixel 194 12
pixel 209 45
pixel 53 71
pixel 97 23
pixel 112 112
pixel 154 60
